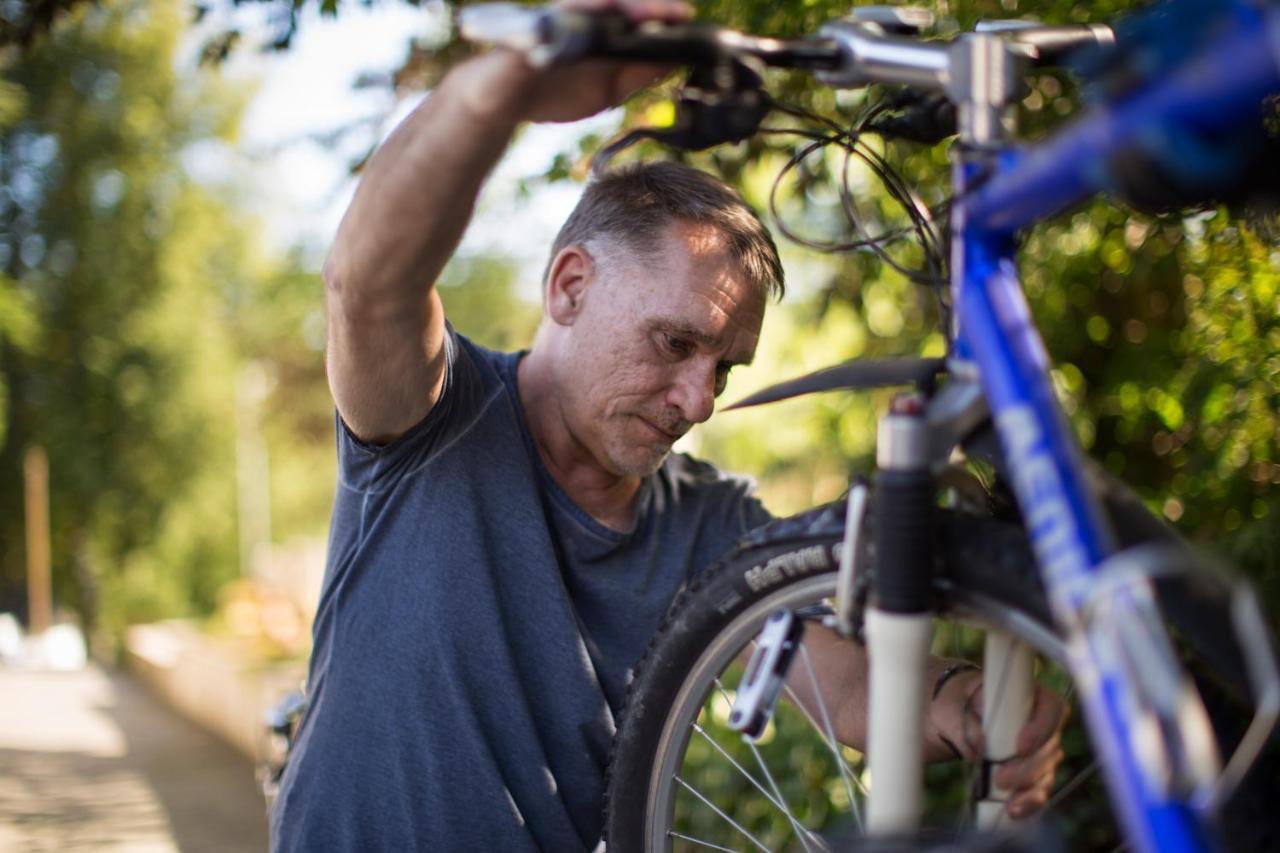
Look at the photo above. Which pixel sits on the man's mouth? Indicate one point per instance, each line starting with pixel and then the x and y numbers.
pixel 659 432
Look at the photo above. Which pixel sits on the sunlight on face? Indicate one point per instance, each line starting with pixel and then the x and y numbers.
pixel 654 344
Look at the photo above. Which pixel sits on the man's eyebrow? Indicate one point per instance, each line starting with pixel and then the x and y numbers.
pixel 699 337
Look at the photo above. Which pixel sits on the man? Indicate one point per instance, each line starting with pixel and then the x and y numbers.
pixel 509 528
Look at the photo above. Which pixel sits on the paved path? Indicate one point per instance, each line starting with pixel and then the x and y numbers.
pixel 90 761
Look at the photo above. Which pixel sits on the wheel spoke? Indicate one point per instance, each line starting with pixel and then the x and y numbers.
pixel 773 800
pixel 845 775
pixel 671 833
pixel 844 765
pixel 846 772
pixel 1070 788
pixel 720 812
pixel 777 799
pixel 845 769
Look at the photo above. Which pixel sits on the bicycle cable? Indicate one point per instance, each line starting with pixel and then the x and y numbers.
pixel 923 220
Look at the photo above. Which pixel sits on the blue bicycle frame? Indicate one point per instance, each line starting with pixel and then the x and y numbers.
pixel 993 328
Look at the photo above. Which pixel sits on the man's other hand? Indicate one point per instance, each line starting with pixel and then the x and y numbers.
pixel 1029 776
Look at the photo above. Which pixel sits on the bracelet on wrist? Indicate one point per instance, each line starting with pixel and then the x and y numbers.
pixel 950 672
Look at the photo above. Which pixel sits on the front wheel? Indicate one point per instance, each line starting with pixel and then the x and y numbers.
pixel 680 779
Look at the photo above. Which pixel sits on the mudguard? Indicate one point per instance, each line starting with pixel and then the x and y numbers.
pixel 859 374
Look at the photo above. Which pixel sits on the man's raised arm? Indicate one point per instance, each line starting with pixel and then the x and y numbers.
pixel 386 322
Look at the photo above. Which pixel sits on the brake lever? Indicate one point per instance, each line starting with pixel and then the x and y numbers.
pixel 924 117
pixel 719 103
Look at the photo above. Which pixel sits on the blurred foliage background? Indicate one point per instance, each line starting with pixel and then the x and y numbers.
pixel 145 333
pixel 173 367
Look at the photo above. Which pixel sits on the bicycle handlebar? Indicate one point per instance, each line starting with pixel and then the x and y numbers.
pixel 869 46
pixel 980 73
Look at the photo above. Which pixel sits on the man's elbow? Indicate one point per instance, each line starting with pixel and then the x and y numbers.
pixel 349 308
pixel 343 305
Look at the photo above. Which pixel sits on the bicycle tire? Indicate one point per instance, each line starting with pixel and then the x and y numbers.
pixel 988 572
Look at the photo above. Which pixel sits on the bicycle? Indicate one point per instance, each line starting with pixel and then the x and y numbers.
pixel 1074 568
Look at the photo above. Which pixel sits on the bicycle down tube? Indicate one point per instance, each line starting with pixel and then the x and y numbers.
pixel 1066 525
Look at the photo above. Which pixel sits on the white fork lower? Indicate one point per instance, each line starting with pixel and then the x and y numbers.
pixel 898 652
pixel 1007 688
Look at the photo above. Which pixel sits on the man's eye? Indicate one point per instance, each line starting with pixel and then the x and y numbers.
pixel 676 345
pixel 722 377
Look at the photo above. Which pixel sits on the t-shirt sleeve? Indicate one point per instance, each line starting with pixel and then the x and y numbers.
pixel 745 509
pixel 367 467
pixel 752 511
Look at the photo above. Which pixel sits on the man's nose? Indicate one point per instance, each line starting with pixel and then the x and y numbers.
pixel 693 392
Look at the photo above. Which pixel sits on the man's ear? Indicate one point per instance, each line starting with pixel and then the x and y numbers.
pixel 568 278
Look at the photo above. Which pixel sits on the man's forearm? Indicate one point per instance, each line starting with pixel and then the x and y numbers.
pixel 842 672
pixel 851 719
pixel 419 189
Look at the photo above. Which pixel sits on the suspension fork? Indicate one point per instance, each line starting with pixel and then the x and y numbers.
pixel 899 624
pixel 898 630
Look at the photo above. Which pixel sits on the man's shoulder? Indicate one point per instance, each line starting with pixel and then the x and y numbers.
pixel 689 474
pixel 713 506
pixel 497 364
pixel 478 381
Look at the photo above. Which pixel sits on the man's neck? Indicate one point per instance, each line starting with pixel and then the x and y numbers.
pixel 607 497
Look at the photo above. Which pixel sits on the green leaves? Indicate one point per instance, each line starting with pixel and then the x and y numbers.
pixel 115 347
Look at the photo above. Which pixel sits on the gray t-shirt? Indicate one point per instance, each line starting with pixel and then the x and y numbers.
pixel 476 631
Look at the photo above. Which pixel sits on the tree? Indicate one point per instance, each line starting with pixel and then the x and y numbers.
pixel 115 347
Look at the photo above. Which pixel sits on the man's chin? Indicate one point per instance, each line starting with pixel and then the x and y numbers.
pixel 635 464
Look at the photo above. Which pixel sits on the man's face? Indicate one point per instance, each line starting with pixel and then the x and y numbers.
pixel 654 344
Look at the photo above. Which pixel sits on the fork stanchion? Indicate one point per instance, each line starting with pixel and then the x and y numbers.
pixel 899 626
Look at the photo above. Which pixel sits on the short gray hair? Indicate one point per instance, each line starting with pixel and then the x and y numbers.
pixel 635 203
